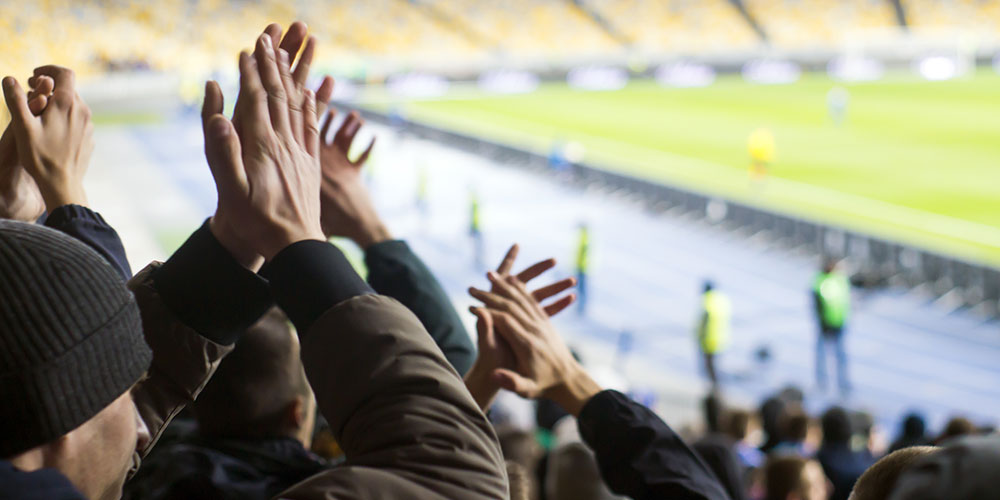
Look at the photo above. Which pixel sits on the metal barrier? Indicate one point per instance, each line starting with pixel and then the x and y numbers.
pixel 876 262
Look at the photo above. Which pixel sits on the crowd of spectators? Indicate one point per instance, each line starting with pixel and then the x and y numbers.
pixel 262 366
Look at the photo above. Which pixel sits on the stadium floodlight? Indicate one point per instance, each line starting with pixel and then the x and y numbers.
pixel 597 78
pixel 771 71
pixel 855 69
pixel 685 74
pixel 417 85
pixel 508 81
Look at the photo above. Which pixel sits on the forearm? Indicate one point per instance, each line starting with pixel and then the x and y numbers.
pixel 639 455
pixel 479 381
pixel 90 228
pixel 394 270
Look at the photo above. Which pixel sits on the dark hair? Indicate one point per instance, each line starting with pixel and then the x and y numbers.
pixel 914 426
pixel 794 425
pixel 836 426
pixel 784 475
pixel 736 423
pixel 713 407
pixel 250 392
pixel 708 285
pixel 957 426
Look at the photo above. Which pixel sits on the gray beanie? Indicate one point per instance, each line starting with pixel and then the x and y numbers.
pixel 70 336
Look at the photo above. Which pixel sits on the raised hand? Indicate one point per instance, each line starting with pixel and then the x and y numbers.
pixel 267 172
pixel 55 146
pixel 543 366
pixel 19 196
pixel 496 359
pixel 347 208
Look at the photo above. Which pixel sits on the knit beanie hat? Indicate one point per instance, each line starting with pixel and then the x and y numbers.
pixel 70 336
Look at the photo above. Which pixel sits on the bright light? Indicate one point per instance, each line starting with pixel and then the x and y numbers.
pixel 685 74
pixel 772 72
pixel 938 68
pixel 597 78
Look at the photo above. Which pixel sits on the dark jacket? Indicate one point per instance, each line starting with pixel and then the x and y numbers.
pixel 640 456
pixel 44 484
pixel 216 468
pixel 843 467
pixel 395 271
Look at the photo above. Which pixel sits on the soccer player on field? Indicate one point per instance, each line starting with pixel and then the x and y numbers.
pixel 760 146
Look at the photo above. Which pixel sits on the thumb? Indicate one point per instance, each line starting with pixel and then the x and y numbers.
pixel 514 382
pixel 223 152
pixel 21 119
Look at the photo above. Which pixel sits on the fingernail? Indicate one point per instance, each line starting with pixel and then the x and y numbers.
pixel 8 82
pixel 492 275
pixel 267 40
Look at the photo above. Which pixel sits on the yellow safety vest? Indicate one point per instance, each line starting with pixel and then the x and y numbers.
pixel 714 331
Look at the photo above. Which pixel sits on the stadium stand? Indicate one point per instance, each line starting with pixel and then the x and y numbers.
pixel 810 24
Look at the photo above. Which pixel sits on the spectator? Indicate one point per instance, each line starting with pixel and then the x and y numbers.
pixel 255 421
pixel 964 469
pixel 879 480
pixel 956 427
pixel 716 450
pixel 914 433
pixel 638 455
pixel 841 464
pixel 574 475
pixel 790 477
pixel 771 411
pixel 521 448
pixel 737 425
pixel 794 427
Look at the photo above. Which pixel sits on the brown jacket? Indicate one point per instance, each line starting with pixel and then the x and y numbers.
pixel 400 412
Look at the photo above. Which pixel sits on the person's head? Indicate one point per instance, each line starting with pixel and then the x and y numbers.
pixel 736 423
pixel 707 286
pixel 964 469
pixel 956 427
pixel 260 389
pixel 836 426
pixel 794 426
pixel 914 426
pixel 573 475
pixel 71 349
pixel 830 265
pixel 788 477
pixel 878 481
pixel 770 413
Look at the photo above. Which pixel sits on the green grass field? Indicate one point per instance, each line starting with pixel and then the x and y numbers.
pixel 916 161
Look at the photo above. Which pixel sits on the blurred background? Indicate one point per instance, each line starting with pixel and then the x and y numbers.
pixel 649 145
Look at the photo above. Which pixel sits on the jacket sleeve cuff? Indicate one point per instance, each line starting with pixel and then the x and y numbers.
pixel 90 228
pixel 209 291
pixel 391 249
pixel 309 277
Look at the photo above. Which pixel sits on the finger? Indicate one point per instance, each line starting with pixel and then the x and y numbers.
pixel 558 306
pixel 37 103
pixel 213 103
pixel 310 130
pixel 292 41
pixel 324 132
pixel 484 326
pixel 42 84
pixel 512 331
pixel 345 135
pixel 513 382
pixel 295 98
pixel 222 150
pixel 500 303
pixel 8 149
pixel 252 100
pixel 323 95
pixel 535 270
pixel 64 80
pixel 507 287
pixel 17 103
pixel 301 73
pixel 270 78
pixel 508 260
pixel 273 30
pixel 364 156
pixel 550 290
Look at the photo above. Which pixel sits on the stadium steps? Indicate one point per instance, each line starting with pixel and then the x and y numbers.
pixel 742 8
pixel 445 19
pixel 602 22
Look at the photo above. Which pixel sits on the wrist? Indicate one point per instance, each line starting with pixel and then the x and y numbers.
pixel 233 244
pixel 482 385
pixel 66 195
pixel 372 234
pixel 287 239
pixel 573 393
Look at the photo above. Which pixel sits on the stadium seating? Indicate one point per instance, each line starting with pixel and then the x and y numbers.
pixel 811 24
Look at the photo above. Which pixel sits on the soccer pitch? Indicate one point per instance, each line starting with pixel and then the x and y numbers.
pixel 915 161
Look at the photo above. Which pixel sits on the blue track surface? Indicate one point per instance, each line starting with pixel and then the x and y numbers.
pixel 647 269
